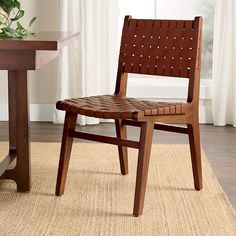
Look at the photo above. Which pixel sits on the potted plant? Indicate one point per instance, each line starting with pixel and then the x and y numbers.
pixel 10 14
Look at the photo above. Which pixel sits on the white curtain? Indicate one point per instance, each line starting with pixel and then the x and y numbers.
pixel 224 63
pixel 87 66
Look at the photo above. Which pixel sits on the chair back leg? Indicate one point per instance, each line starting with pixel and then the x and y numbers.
pixel 195 149
pixel 66 146
pixel 146 136
pixel 121 132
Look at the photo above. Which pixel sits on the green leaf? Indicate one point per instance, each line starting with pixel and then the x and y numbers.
pixel 32 21
pixel 21 29
pixel 18 16
pixel 1 20
pixel 9 5
pixel 17 4
pixel 2 25
pixel 11 33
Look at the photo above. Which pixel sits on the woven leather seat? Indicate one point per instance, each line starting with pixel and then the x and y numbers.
pixel 116 107
pixel 156 48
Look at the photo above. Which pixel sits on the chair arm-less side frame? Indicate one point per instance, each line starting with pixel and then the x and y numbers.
pixel 153 47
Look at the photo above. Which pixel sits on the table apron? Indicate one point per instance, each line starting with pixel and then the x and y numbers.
pixel 25 59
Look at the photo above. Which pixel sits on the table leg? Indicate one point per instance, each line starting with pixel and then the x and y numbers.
pixel 19 129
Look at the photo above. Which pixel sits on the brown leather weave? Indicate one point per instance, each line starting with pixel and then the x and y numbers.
pixel 154 47
pixel 115 107
pixel 160 47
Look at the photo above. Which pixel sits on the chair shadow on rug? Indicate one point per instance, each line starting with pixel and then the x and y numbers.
pixel 173 188
pixel 169 48
pixel 97 172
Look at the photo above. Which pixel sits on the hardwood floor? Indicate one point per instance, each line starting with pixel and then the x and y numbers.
pixel 219 145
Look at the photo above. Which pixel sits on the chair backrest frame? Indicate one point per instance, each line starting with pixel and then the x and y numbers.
pixel 161 47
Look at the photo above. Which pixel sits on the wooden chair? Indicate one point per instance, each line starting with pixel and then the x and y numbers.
pixel 152 47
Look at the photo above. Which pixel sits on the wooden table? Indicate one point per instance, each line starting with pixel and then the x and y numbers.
pixel 19 56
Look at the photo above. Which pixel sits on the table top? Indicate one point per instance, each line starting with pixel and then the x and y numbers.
pixel 52 40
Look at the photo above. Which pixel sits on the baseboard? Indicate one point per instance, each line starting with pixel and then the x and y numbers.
pixel 44 112
pixel 38 112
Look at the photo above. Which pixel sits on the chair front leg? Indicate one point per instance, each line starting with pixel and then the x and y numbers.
pixel 146 136
pixel 121 132
pixel 195 149
pixel 66 146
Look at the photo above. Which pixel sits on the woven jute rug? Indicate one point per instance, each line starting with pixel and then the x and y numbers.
pixel 99 201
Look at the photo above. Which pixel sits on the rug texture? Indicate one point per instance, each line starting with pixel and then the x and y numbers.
pixel 98 200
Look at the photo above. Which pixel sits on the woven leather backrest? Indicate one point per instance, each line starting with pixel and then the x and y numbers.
pixel 160 47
